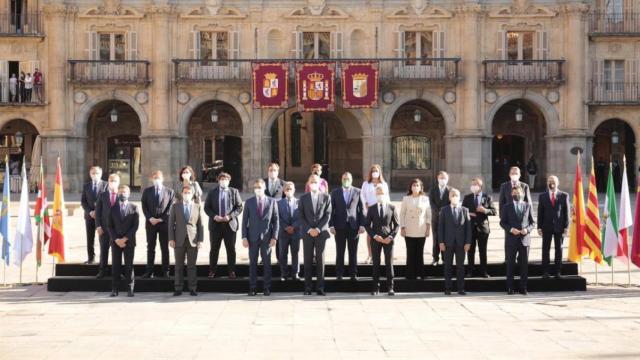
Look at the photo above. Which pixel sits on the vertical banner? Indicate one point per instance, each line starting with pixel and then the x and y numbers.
pixel 360 85
pixel 270 85
pixel 315 86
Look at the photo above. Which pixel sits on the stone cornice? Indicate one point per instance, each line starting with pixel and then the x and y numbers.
pixel 59 10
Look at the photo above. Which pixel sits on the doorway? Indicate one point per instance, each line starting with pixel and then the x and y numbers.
pixel 123 158
pixel 508 151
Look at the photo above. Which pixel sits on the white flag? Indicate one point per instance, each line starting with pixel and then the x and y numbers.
pixel 23 241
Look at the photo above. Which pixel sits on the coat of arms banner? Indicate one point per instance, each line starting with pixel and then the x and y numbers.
pixel 315 86
pixel 360 85
pixel 270 85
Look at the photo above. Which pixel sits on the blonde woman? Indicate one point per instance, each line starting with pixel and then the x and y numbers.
pixel 415 227
pixel 368 195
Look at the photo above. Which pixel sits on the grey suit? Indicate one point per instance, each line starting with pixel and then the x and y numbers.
pixel 455 233
pixel 314 218
pixel 259 226
pixel 517 245
pixel 187 234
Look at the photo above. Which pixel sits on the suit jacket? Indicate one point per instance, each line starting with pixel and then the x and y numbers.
pixel 438 202
pixel 285 218
pixel 154 209
pixel 234 207
pixel 505 193
pixel 553 219
pixel 415 215
pixel 279 190
pixel 343 214
pixel 509 219
pixel 454 231
pixel 103 209
pixel 88 199
pixel 319 217
pixel 386 226
pixel 127 225
pixel 181 229
pixel 260 227
pixel 481 220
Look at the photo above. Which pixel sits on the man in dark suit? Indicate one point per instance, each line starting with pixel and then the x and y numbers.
pixel 274 189
pixel 553 222
pixel 186 233
pixel 259 234
pixel 516 219
pixel 289 232
pixel 223 206
pixel 438 198
pixel 123 223
pixel 90 193
pixel 455 239
pixel 156 202
pixel 346 223
pixel 315 212
pixel 505 194
pixel 382 226
pixel 480 208
pixel 106 200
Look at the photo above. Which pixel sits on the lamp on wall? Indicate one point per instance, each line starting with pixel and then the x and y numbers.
pixel 615 137
pixel 214 115
pixel 113 114
pixel 519 115
pixel 19 138
pixel 417 116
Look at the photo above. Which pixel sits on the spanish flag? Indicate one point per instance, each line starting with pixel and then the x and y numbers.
pixel 577 227
pixel 56 245
pixel 592 233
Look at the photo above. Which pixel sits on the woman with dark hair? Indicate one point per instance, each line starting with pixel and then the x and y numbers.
pixel 415 227
pixel 187 177
pixel 368 195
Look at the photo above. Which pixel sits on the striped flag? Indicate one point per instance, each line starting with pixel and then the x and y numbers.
pixel 610 216
pixel 56 245
pixel 626 219
pixel 635 244
pixel 577 227
pixel 41 214
pixel 592 229
pixel 5 214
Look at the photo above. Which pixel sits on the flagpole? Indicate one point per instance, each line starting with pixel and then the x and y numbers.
pixel 611 271
pixel 39 250
pixel 629 271
pixel 596 263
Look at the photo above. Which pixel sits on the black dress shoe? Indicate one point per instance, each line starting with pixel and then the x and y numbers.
pixel 391 292
pixel 283 279
pixel 434 263
pixel 485 275
pixel 307 292
pixel 545 276
pixel 462 292
pixel 211 275
pixel 114 293
pixel 375 291
pixel 100 274
pixel 523 292
pixel 354 278
pixel 321 292
pixel 193 293
pixel 147 275
pixel 232 275
pixel 447 292
pixel 177 293
pixel 339 278
pixel 252 292
pixel 557 276
pixel 89 262
pixel 510 292
pixel 165 275
pixel 266 292
pixel 296 278
pixel 130 293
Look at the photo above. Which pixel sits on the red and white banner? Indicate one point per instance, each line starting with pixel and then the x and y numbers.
pixel 315 86
pixel 270 85
pixel 360 85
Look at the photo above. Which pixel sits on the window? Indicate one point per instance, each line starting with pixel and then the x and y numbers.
pixel 613 74
pixel 214 46
pixel 111 46
pixel 418 45
pixel 411 153
pixel 316 45
pixel 519 45
pixel 613 9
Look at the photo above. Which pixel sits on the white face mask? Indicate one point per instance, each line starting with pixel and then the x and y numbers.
pixel 475 189
pixel 224 184
pixel 375 175
pixel 157 182
pixel 273 174
pixel 187 197
pixel 442 182
pixel 381 198
pixel 314 187
pixel 258 191
pixel 514 177
pixel 454 200
pixel 415 189
pixel 113 185
pixel 95 177
pixel 186 176
pixel 288 194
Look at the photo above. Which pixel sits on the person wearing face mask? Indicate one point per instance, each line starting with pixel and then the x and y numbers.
pixel 187 177
pixel 316 169
pixel 123 223
pixel 185 234
pixel 438 199
pixel 289 232
pixel 454 238
pixel 315 212
pixel 259 234
pixel 480 208
pixel 106 200
pixel 381 224
pixel 516 218
pixel 156 203
pixel 415 227
pixel 223 206
pixel 368 195
pixel 346 224
pixel 275 185
pixel 553 223
pixel 505 194
pixel 90 193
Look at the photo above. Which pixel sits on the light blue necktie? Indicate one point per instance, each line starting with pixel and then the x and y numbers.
pixel 187 212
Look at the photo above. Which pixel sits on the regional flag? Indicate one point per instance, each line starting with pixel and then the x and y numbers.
pixel 635 244
pixel 23 241
pixel 626 220
pixel 577 227
pixel 610 216
pixel 56 245
pixel 592 235
pixel 5 214
pixel 41 214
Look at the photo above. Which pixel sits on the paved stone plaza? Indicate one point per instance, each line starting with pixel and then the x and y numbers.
pixel 603 322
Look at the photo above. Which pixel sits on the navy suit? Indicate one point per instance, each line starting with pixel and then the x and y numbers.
pixel 553 220
pixel 289 216
pixel 157 207
pixel 314 218
pixel 387 226
pixel 437 202
pixel 121 224
pixel 88 201
pixel 517 245
pixel 259 227
pixel 454 232
pixel 103 209
pixel 346 219
pixel 219 231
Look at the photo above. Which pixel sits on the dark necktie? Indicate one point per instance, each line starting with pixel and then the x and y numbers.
pixel 157 195
pixel 260 207
pixel 381 212
pixel 95 188
pixel 122 207
pixel 478 200
pixel 223 203
pixel 187 212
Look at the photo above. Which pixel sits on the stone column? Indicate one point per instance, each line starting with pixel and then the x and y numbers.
pixel 575 69
pixel 469 115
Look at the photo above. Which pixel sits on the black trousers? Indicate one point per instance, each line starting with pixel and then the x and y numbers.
pixel 347 238
pixel 448 255
pixel 191 254
pixel 313 247
pixel 376 250
pixel 116 257
pixel 219 233
pixel 435 249
pixel 105 244
pixel 415 257
pixel 90 226
pixel 288 242
pixel 546 249
pixel 153 233
pixel 479 239
pixel 515 250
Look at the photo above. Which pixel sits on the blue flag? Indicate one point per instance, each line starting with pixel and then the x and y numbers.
pixel 5 215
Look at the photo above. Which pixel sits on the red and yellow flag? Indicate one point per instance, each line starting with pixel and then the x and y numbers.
pixel 56 245
pixel 41 214
pixel 592 233
pixel 577 227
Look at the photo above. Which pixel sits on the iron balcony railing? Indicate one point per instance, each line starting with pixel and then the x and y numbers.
pixel 613 92
pixel 390 69
pixel 614 24
pixel 21 24
pixel 108 72
pixel 523 72
pixel 14 93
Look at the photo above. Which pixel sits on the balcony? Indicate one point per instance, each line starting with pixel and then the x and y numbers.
pixel 25 24
pixel 440 70
pixel 523 72
pixel 614 93
pixel 98 72
pixel 12 94
pixel 617 24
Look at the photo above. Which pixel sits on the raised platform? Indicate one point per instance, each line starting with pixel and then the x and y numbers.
pixel 80 277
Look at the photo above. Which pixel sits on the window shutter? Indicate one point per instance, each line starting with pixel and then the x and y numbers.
pixel 234 44
pixel 196 45
pixel 542 42
pixel 501 45
pixel 438 44
pixel 399 42
pixel 337 44
pixel 133 45
pixel 4 80
pixel 296 45
pixel 91 45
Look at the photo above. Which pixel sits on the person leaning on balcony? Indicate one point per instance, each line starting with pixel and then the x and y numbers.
pixel 28 87
pixel 13 88
pixel 37 84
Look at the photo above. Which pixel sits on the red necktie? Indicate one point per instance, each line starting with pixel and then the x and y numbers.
pixel 553 199
pixel 113 198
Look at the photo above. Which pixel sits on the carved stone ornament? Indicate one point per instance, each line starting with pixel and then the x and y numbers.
pixel 316 6
pixel 79 97
pixel 183 97
pixel 449 97
pixel 553 96
pixel 142 97
pixel 244 98
pixel 388 97
pixel 490 96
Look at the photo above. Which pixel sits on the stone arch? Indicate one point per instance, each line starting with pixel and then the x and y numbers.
pixel 187 111
pixel 85 111
pixel 551 117
pixel 444 109
pixel 7 118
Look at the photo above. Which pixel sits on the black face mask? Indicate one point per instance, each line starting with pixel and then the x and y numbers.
pixel 517 197
pixel 123 197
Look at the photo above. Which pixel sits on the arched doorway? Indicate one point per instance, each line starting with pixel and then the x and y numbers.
pixel 114 141
pixel 613 140
pixel 417 143
pixel 215 141
pixel 518 130
pixel 333 139
pixel 17 139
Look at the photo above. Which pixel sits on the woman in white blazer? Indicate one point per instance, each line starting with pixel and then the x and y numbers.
pixel 415 227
